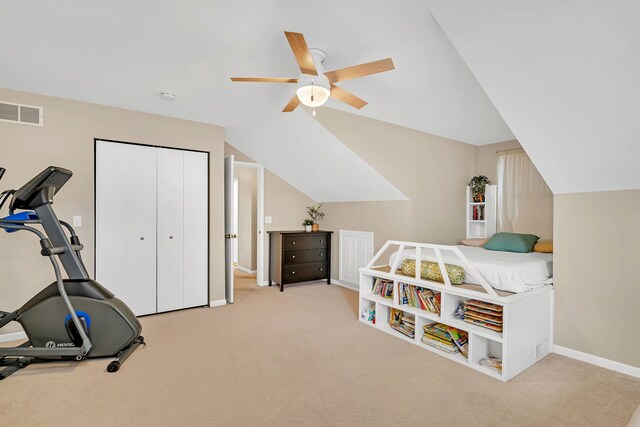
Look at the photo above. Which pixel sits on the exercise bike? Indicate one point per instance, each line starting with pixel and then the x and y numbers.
pixel 71 319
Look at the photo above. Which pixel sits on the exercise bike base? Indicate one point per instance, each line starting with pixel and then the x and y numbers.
pixel 115 365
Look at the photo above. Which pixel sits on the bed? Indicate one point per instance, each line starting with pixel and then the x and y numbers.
pixel 505 271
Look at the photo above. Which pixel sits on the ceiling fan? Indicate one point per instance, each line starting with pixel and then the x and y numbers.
pixel 316 85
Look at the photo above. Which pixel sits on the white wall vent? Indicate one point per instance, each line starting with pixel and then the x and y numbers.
pixel 17 113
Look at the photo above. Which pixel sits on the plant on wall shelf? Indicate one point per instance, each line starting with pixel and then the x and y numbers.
pixel 307 224
pixel 478 185
pixel 315 214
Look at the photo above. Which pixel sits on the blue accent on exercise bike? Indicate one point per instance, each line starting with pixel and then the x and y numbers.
pixel 80 314
pixel 20 216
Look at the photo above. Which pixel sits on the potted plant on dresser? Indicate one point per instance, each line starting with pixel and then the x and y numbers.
pixel 478 185
pixel 315 215
pixel 308 223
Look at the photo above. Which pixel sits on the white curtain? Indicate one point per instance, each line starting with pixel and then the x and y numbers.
pixel 525 203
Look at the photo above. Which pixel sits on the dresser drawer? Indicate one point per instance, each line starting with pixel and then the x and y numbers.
pixel 292 273
pixel 305 242
pixel 307 255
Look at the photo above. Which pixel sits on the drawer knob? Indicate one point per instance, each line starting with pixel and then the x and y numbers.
pixel 320 268
pixel 320 253
pixel 321 241
pixel 293 256
pixel 171 237
pixel 293 243
pixel 293 272
pixel 142 238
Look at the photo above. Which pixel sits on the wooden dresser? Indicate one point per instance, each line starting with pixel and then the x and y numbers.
pixel 298 256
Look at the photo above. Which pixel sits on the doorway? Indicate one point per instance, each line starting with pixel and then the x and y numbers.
pixel 244 222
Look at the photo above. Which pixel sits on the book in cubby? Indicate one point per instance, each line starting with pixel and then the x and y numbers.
pixel 383 288
pixel 483 314
pixel 418 297
pixel 446 338
pixel 405 323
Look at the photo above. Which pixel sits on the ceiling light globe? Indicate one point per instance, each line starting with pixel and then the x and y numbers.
pixel 320 95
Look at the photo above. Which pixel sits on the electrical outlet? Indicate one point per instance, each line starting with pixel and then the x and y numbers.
pixel 77 221
pixel 268 220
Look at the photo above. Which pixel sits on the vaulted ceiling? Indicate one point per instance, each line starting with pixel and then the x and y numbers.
pixel 123 53
pixel 565 76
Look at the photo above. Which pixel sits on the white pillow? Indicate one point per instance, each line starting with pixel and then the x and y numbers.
pixel 476 243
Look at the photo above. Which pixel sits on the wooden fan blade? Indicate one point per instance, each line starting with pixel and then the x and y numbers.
pixel 347 97
pixel 292 104
pixel 264 79
pixel 360 70
pixel 301 52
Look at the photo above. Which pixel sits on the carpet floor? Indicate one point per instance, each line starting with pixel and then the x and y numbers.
pixel 301 358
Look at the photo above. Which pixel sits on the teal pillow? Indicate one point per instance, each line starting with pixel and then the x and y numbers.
pixel 512 242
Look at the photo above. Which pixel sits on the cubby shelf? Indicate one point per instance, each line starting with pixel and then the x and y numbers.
pixel 526 337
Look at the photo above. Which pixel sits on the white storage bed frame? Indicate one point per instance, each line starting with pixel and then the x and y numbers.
pixel 527 334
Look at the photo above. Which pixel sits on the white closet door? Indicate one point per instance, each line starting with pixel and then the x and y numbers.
pixel 126 223
pixel 196 228
pixel 170 229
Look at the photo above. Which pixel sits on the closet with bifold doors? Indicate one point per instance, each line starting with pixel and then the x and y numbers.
pixel 152 225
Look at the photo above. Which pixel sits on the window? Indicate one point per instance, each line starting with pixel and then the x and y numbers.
pixel 525 203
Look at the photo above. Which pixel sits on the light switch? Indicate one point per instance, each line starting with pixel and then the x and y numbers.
pixel 268 220
pixel 77 221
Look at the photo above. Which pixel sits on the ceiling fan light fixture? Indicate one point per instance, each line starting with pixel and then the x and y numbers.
pixel 313 95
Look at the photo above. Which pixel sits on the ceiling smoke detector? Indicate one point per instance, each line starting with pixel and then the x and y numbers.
pixel 167 96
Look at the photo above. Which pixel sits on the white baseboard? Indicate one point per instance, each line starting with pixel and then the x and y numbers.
pixel 217 303
pixel 13 336
pixel 246 270
pixel 598 361
pixel 345 285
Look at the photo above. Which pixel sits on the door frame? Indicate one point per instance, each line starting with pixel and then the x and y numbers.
pixel 259 217
pixel 95 228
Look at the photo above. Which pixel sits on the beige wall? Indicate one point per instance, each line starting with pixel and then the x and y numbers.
pixel 285 204
pixel 247 217
pixel 430 170
pixel 67 140
pixel 596 280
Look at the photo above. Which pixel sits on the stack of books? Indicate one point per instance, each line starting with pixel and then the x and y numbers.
pixel 483 314
pixel 446 338
pixel 492 362
pixel 402 322
pixel 383 287
pixel 422 298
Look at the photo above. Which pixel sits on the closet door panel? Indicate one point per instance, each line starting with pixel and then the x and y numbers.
pixel 196 228
pixel 126 223
pixel 170 229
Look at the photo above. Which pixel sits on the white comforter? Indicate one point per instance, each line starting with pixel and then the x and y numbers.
pixel 506 271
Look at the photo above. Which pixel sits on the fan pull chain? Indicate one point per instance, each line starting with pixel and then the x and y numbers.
pixel 311 90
